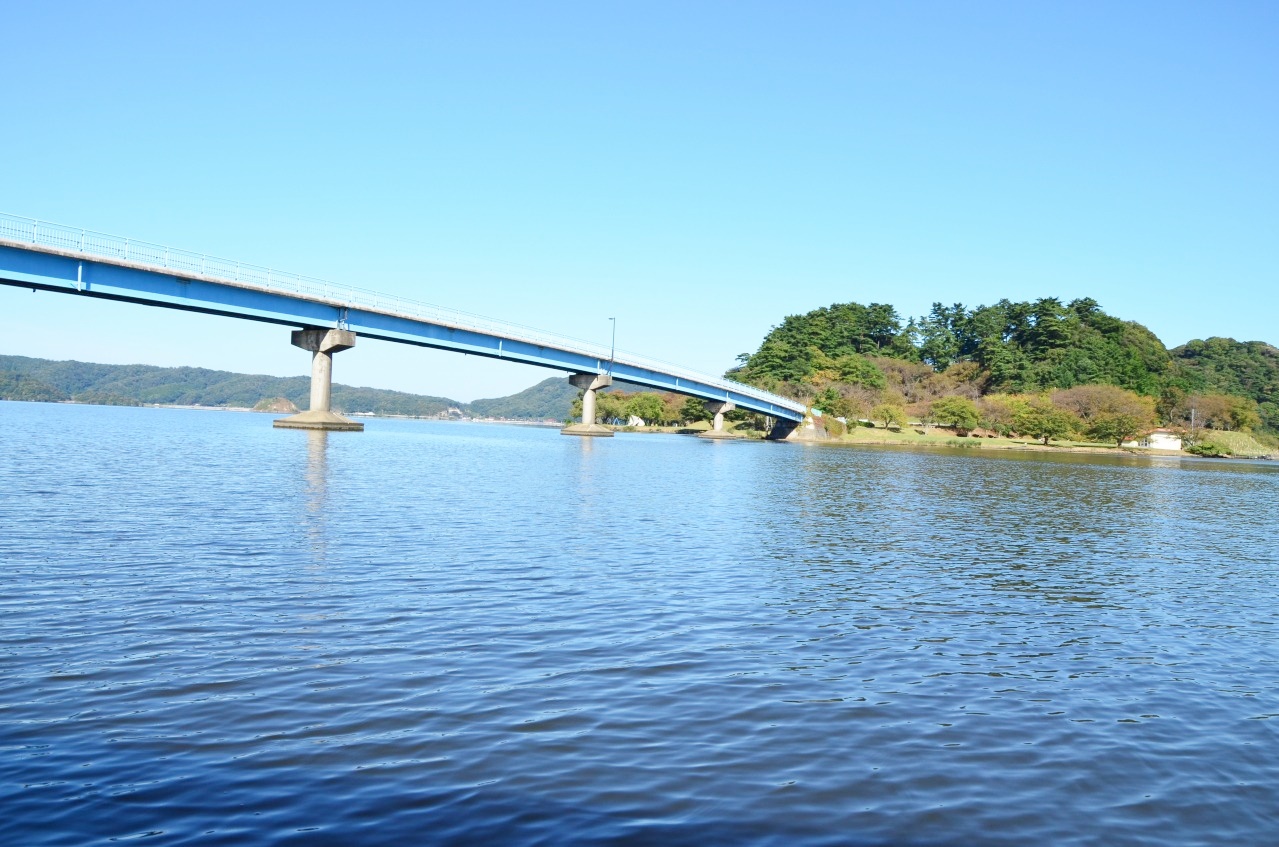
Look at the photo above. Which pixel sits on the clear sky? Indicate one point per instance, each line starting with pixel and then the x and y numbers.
pixel 698 170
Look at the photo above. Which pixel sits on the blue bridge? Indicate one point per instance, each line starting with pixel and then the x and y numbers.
pixel 328 318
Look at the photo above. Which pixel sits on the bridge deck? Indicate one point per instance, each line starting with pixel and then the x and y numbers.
pixel 54 258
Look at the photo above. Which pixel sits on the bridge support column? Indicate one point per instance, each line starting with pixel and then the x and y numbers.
pixel 589 383
pixel 322 343
pixel 718 408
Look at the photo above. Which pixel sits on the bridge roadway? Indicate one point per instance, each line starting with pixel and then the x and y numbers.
pixel 328 318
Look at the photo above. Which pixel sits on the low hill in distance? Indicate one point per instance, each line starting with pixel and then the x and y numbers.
pixel 43 380
pixel 550 399
pixel 24 378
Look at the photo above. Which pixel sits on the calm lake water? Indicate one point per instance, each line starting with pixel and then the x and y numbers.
pixel 214 632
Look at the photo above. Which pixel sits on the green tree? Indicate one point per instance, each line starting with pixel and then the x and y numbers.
pixel 854 369
pixel 890 413
pixel 1170 399
pixel 831 403
pixel 793 351
pixel 1116 426
pixel 694 410
pixel 611 406
pixel 959 412
pixel 1107 412
pixel 647 406
pixel 1041 419
pixel 1225 366
pixel 1218 411
pixel 1268 412
pixel 1088 401
pixel 1023 347
pixel 941 335
pixel 998 411
pixel 1243 414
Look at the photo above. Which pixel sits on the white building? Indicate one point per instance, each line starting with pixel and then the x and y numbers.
pixel 1159 439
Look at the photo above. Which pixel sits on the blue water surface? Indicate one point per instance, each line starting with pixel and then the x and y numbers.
pixel 214 632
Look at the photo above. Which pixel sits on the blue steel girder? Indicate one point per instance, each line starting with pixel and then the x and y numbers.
pixel 49 269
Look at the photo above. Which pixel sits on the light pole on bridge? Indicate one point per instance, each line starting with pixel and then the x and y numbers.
pixel 612 347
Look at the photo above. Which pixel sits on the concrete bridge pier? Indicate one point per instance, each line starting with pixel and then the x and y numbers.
pixel 322 343
pixel 718 408
pixel 589 383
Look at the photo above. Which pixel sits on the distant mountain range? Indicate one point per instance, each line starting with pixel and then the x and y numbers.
pixel 23 378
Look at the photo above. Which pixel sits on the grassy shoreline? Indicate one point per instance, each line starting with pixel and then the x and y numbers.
pixel 936 437
pixel 1244 446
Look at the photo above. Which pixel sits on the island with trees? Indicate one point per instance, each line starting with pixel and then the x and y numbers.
pixel 1014 373
pixel 1044 371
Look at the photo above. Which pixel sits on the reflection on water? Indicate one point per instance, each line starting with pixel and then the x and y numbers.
pixel 450 633
pixel 317 487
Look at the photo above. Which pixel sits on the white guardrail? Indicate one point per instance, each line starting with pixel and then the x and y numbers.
pixel 15 228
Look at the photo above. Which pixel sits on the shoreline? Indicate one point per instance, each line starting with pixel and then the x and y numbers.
pixel 950 441
pixel 868 437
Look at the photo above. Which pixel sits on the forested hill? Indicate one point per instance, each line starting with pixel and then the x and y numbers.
pixel 23 378
pixel 42 380
pixel 1240 368
pixel 864 352
pixel 550 399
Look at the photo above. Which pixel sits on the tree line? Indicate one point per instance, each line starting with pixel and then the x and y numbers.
pixel 1034 368
pixel 654 409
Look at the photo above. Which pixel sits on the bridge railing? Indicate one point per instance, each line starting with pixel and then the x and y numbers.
pixel 73 239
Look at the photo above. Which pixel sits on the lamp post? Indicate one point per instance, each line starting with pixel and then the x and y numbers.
pixel 612 348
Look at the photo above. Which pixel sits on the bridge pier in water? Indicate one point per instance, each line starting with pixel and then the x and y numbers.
pixel 589 383
pixel 322 343
pixel 718 408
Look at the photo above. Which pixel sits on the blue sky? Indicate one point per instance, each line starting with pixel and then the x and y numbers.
pixel 698 170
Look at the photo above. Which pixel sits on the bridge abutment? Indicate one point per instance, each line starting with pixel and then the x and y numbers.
pixel 807 430
pixel 589 383
pixel 322 343
pixel 718 408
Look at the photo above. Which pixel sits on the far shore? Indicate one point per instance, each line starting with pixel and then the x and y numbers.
pixel 935 437
pixel 932 437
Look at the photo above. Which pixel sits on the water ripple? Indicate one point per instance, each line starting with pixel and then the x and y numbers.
pixel 212 632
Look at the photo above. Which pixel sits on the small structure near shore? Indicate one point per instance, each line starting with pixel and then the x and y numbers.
pixel 1158 439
